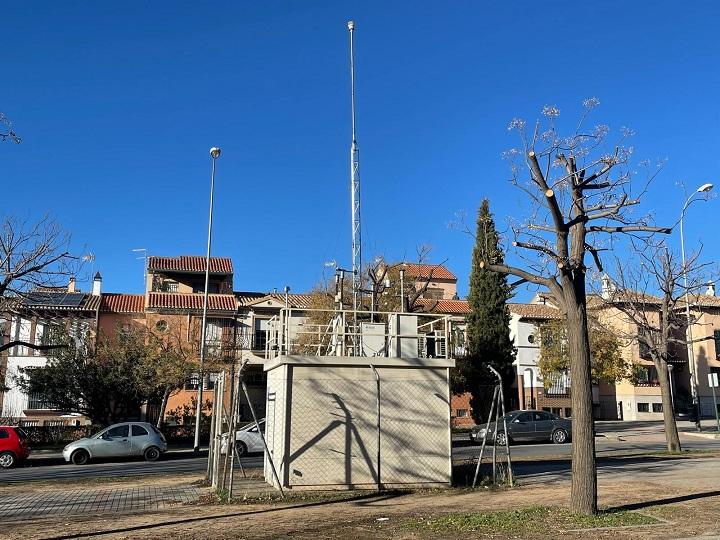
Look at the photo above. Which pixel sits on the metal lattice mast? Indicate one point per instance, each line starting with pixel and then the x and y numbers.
pixel 355 186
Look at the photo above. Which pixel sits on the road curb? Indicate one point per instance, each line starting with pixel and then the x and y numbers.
pixel 714 436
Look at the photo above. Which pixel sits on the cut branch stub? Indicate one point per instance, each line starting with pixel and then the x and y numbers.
pixel 549 193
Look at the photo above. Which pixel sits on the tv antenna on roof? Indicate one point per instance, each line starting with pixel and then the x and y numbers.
pixel 144 257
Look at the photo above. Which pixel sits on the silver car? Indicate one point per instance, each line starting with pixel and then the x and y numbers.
pixel 527 426
pixel 119 440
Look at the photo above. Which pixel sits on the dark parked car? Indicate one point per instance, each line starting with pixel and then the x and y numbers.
pixel 14 446
pixel 527 426
pixel 686 413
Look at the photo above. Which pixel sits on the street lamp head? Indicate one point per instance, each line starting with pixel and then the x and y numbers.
pixel 214 152
pixel 351 25
pixel 705 188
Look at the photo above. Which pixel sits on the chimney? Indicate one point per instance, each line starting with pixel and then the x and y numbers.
pixel 711 289
pixel 71 284
pixel 97 283
pixel 608 287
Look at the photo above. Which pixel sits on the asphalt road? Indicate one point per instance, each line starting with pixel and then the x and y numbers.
pixel 52 467
pixel 602 448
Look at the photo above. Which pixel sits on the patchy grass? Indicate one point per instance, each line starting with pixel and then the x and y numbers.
pixel 273 498
pixel 536 519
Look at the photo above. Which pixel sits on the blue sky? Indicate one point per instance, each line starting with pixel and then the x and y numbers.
pixel 118 104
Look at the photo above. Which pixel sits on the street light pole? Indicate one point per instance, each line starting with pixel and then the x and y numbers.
pixel 214 154
pixel 690 352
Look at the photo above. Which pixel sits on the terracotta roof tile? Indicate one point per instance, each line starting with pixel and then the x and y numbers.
pixel 216 302
pixel 188 263
pixel 297 301
pixel 422 271
pixel 246 297
pixel 122 303
pixel 535 311
pixel 447 307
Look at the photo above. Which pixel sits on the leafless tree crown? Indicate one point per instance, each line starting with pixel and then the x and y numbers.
pixel 579 186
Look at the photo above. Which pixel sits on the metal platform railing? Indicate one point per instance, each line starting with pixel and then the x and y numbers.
pixel 322 332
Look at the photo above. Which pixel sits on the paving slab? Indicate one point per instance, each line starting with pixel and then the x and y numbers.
pixel 83 501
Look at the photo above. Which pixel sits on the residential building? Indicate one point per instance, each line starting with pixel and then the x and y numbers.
pixel 441 282
pixel 32 321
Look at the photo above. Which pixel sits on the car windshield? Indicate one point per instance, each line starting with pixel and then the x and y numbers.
pixel 21 434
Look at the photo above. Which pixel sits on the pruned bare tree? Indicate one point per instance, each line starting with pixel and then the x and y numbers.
pixel 577 191
pixel 7 133
pixel 32 256
pixel 649 296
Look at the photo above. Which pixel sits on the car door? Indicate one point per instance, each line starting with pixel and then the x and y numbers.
pixel 522 427
pixel 544 422
pixel 114 442
pixel 254 441
pixel 139 440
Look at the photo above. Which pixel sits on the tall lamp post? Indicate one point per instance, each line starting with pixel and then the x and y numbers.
pixel 214 154
pixel 690 352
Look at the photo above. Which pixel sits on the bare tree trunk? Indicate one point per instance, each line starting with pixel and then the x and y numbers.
pixel 583 495
pixel 671 432
pixel 163 406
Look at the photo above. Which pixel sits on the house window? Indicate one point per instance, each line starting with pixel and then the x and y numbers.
pixel 213 288
pixel 716 334
pixel 461 413
pixel 192 383
pixel 643 407
pixel 568 412
pixel 211 380
pixel 433 293
pixel 169 286
pixel 555 410
pixel 646 376
pixel 214 336
pixel 261 334
pixel 657 407
pixel 37 400
pixel 644 350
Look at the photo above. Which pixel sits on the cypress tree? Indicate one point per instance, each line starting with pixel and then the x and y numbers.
pixel 488 324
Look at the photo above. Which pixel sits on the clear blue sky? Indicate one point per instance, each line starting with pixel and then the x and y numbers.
pixel 118 104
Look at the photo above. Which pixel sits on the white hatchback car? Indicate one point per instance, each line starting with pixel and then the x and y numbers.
pixel 247 439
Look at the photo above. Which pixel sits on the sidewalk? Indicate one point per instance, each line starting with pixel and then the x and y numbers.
pixel 86 501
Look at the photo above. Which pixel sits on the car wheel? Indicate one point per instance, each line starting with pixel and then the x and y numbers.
pixel 241 448
pixel 152 453
pixel 7 460
pixel 80 457
pixel 560 436
pixel 501 439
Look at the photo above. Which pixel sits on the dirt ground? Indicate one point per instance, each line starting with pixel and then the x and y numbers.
pixel 685 512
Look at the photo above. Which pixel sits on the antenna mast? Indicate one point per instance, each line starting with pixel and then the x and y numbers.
pixel 355 186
